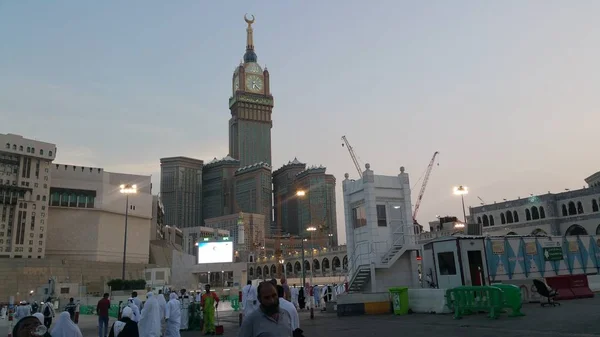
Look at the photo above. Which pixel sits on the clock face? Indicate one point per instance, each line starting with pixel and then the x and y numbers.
pixel 253 68
pixel 254 83
pixel 236 84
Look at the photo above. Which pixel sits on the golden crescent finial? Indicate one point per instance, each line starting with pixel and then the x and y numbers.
pixel 249 22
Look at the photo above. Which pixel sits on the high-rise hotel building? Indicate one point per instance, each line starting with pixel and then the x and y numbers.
pixel 24 190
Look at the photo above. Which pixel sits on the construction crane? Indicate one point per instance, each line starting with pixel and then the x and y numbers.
pixel 482 202
pixel 352 155
pixel 425 180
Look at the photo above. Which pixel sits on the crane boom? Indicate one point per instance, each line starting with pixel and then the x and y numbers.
pixel 425 179
pixel 351 150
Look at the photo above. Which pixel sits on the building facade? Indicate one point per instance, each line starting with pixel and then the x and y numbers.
pixel 251 106
pixel 24 191
pixel 218 197
pixel 317 206
pixel 87 215
pixel 181 191
pixel 246 231
pixel 285 198
pixel 158 219
pixel 253 191
pixel 574 212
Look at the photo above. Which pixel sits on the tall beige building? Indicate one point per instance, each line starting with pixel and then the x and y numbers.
pixel 24 189
pixel 87 215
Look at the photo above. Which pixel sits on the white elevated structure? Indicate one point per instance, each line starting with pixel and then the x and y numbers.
pixel 381 237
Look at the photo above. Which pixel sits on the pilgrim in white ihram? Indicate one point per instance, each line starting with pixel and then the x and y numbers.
pixel 65 327
pixel 173 316
pixel 149 324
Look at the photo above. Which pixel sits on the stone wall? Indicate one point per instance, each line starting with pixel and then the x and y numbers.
pixel 24 275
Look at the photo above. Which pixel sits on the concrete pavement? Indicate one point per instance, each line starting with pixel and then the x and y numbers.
pixel 577 318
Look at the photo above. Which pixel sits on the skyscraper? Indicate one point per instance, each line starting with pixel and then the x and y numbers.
pixel 285 198
pixel 317 207
pixel 181 191
pixel 251 106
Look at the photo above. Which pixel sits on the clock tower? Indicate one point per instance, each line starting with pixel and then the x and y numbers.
pixel 251 105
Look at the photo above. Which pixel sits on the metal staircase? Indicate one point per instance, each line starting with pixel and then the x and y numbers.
pixel 361 277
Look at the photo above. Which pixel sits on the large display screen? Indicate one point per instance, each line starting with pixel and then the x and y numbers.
pixel 215 251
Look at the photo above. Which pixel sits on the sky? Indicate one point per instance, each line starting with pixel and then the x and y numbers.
pixel 506 91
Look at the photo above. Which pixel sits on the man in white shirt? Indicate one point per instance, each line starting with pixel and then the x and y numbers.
pixel 249 299
pixel 289 307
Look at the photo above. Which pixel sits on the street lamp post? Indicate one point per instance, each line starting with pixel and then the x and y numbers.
pixel 462 190
pixel 282 262
pixel 312 229
pixel 127 190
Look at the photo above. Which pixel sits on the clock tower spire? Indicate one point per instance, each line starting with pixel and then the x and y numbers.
pixel 251 106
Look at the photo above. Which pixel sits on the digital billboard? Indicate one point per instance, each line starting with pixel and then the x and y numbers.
pixel 215 251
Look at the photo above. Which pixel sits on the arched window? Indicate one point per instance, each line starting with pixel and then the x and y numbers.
pixel 594 205
pixel 542 213
pixel 516 216
pixel 335 263
pixel 575 230
pixel 297 267
pixel 502 219
pixel 564 210
pixel 535 214
pixel 509 217
pixel 316 265
pixel 306 265
pixel 579 208
pixel 273 270
pixel 345 262
pixel 266 270
pixel 527 214
pixel 288 268
pixel 538 231
pixel 479 220
pixel 598 230
pixel 251 271
pixel 258 271
pixel 325 264
pixel 572 209
pixel 485 221
pixel 492 220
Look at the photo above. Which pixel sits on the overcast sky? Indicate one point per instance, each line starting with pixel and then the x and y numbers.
pixel 507 91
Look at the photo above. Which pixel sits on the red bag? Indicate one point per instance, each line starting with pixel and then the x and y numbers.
pixel 219 329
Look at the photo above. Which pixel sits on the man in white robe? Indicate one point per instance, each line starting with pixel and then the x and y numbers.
pixel 249 299
pixel 173 316
pixel 162 304
pixel 185 311
pixel 149 325
pixel 295 293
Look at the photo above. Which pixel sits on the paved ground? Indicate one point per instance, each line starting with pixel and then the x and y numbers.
pixel 579 318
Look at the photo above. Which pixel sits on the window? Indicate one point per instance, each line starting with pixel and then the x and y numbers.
pixel 579 207
pixel 8 145
pixel 594 205
pixel 41 152
pixel 381 216
pixel 64 290
pixel 359 216
pixel 502 218
pixel 50 153
pixel 447 263
pixel 542 213
pixel 21 148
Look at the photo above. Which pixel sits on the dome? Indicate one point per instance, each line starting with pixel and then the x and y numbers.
pixel 253 67
pixel 250 56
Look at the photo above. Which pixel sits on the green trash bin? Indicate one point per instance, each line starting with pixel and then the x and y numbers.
pixel 399 297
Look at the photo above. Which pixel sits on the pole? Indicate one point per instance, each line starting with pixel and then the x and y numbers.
pixel 125 239
pixel 462 197
pixel 312 271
